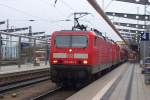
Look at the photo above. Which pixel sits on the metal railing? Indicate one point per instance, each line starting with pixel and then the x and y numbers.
pixel 20 49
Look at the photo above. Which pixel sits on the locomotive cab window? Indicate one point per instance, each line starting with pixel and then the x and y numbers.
pixel 62 41
pixel 80 41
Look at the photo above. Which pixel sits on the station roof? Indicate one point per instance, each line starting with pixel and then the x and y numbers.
pixel 2 22
pixel 130 16
pixel 143 2
pixel 34 33
pixel 46 36
pixel 131 31
pixel 138 26
pixel 14 29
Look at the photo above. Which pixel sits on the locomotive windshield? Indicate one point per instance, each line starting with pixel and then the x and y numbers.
pixel 71 41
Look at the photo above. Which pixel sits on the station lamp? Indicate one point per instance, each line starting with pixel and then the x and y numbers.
pixel 146 17
pixel 137 17
pixel 125 15
pixel 136 31
pixel 137 0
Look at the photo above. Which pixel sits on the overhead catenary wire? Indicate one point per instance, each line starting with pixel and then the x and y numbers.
pixel 23 12
pixel 110 2
pixel 55 2
pixel 39 18
pixel 49 4
pixel 31 15
pixel 67 5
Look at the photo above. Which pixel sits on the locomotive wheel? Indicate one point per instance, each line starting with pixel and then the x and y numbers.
pixel 79 85
pixel 98 75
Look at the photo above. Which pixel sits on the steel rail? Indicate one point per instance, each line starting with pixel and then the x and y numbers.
pixel 40 97
pixel 24 83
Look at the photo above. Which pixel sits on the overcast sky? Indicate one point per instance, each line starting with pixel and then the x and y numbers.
pixel 47 16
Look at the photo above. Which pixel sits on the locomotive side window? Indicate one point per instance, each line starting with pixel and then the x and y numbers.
pixel 71 41
pixel 95 38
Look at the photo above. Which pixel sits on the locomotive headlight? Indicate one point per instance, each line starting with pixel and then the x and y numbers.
pixel 70 50
pixel 55 61
pixel 85 61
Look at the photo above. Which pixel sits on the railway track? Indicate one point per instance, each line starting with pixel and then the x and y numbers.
pixel 50 92
pixel 16 85
pixel 9 78
pixel 57 93
pixel 28 91
pixel 20 83
pixel 21 79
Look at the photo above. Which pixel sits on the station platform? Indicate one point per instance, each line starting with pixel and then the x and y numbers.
pixel 123 83
pixel 25 67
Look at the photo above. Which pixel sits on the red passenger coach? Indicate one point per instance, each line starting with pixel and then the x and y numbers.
pixel 123 54
pixel 78 55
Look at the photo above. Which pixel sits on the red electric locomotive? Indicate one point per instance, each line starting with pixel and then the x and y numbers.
pixel 78 55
